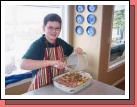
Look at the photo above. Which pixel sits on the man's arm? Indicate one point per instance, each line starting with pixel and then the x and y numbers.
pixel 29 64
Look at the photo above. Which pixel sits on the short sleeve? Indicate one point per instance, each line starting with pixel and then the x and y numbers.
pixel 35 52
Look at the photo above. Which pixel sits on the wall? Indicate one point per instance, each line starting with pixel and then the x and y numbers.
pixel 91 45
pixel 97 47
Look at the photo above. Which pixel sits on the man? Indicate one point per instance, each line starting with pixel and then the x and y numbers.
pixel 45 57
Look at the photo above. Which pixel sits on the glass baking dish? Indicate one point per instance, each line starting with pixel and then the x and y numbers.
pixel 87 79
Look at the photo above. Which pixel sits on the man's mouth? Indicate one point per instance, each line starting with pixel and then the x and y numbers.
pixel 53 35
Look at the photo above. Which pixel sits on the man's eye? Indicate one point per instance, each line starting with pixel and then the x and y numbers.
pixel 51 28
pixel 57 28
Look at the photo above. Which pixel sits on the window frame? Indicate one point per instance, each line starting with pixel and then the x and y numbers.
pixel 119 60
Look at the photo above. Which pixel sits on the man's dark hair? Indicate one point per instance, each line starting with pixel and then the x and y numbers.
pixel 52 17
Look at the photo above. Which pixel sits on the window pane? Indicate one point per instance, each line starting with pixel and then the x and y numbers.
pixel 118 33
pixel 23 26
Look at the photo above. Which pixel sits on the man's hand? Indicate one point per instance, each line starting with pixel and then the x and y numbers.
pixel 59 64
pixel 78 51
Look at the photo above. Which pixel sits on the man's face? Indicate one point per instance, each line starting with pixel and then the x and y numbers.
pixel 52 30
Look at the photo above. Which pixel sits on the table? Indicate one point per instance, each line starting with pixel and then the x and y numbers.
pixel 96 88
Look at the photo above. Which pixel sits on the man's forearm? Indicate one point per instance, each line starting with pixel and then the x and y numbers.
pixel 28 64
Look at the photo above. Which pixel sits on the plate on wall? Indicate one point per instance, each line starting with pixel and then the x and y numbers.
pixel 80 8
pixel 79 19
pixel 79 30
pixel 90 30
pixel 91 19
pixel 91 8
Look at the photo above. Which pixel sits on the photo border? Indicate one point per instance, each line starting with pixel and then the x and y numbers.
pixel 129 101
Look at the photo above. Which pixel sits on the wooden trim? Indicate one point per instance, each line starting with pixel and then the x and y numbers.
pixel 119 81
pixel 117 72
pixel 18 89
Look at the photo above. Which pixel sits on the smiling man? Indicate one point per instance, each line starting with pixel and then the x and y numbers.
pixel 46 53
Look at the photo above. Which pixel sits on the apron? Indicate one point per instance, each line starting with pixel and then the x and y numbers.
pixel 45 75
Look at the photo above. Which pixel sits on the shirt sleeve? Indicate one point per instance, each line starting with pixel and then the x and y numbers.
pixel 67 48
pixel 34 52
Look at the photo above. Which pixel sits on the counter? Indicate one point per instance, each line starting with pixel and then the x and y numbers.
pixel 96 88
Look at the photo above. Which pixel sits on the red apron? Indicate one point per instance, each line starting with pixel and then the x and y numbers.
pixel 44 75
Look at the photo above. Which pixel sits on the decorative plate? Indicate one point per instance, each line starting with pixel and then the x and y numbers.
pixel 90 30
pixel 79 30
pixel 79 19
pixel 80 8
pixel 92 8
pixel 91 19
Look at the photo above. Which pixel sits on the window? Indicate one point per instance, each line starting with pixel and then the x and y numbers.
pixel 118 35
pixel 23 26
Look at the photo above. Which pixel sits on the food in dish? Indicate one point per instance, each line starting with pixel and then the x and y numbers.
pixel 72 79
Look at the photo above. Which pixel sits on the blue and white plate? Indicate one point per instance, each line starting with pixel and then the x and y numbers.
pixel 92 8
pixel 79 19
pixel 79 30
pixel 91 19
pixel 90 30
pixel 80 8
